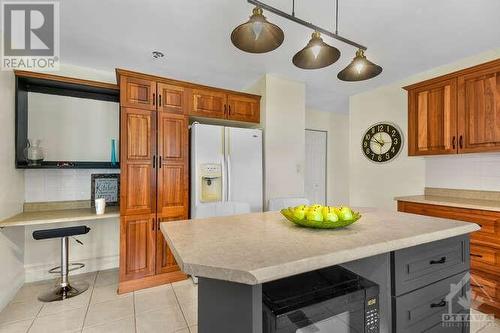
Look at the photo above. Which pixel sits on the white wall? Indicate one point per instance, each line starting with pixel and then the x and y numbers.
pixel 283 120
pixel 376 185
pixel 101 245
pixel 11 197
pixel 337 126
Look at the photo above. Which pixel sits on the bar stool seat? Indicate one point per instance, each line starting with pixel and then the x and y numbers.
pixel 63 289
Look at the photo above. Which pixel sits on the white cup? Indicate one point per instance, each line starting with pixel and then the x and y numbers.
pixel 100 205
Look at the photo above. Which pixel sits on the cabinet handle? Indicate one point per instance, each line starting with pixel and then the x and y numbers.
pixel 153 227
pixel 229 109
pixel 476 255
pixel 154 99
pixel 159 102
pixel 453 142
pixel 159 162
pixel 439 305
pixel 461 142
pixel 154 161
pixel 225 109
pixel 440 261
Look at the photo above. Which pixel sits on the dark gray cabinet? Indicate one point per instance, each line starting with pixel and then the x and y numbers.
pixel 429 282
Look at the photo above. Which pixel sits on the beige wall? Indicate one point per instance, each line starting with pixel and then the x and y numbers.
pixel 337 126
pixel 11 197
pixel 283 121
pixel 376 185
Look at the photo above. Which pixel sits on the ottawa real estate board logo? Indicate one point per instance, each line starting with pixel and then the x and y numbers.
pixel 30 35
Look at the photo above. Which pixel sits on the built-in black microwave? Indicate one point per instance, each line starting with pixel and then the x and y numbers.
pixel 329 300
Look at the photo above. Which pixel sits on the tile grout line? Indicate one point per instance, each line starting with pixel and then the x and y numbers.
pixel 90 301
pixel 180 307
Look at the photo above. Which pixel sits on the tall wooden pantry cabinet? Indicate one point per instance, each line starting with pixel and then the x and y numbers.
pixel 154 177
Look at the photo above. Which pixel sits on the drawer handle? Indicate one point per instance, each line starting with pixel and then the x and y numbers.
pixel 476 255
pixel 439 305
pixel 440 261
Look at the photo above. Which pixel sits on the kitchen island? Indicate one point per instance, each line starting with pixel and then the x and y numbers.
pixel 233 256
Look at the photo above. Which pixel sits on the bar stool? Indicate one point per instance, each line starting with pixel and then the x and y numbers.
pixel 63 289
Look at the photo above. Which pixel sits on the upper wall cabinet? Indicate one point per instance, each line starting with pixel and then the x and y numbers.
pixel 456 113
pixel 243 108
pixel 137 93
pixel 479 109
pixel 209 103
pixel 432 115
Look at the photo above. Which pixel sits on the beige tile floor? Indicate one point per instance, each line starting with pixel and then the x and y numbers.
pixel 169 308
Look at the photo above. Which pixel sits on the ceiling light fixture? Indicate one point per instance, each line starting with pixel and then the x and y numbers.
pixel 316 54
pixel 157 54
pixel 257 35
pixel 359 69
pixel 260 36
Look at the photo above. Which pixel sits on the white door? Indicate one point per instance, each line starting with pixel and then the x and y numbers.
pixel 315 168
pixel 244 166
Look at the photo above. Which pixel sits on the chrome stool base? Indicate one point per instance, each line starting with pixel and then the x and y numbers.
pixel 60 293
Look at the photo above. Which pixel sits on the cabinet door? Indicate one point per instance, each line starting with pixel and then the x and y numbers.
pixel 173 165
pixel 243 108
pixel 165 261
pixel 172 99
pixel 137 155
pixel 137 93
pixel 432 119
pixel 137 246
pixel 479 110
pixel 208 103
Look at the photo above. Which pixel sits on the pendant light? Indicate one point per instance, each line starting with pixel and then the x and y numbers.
pixel 359 69
pixel 257 35
pixel 316 54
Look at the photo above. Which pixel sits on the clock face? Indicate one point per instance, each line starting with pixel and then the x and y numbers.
pixel 382 142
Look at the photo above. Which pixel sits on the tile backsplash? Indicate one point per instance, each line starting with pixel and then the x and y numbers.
pixel 467 171
pixel 59 185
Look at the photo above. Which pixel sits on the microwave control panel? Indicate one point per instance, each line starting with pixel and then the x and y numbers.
pixel 372 319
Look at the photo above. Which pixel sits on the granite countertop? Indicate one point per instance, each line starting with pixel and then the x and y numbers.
pixel 57 212
pixel 260 247
pixel 470 199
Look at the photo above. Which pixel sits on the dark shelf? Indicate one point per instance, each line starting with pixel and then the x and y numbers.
pixel 68 165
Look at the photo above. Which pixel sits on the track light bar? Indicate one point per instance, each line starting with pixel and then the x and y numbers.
pixel 305 23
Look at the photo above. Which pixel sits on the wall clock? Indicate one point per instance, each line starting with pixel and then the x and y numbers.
pixel 382 142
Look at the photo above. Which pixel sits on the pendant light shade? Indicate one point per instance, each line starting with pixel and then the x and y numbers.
pixel 316 54
pixel 257 35
pixel 359 69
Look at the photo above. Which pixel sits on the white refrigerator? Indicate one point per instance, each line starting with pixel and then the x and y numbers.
pixel 226 168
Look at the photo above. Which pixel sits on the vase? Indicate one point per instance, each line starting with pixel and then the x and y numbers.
pixel 34 153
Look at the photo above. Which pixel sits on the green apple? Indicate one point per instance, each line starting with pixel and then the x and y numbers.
pixel 314 215
pixel 329 214
pixel 299 213
pixel 346 214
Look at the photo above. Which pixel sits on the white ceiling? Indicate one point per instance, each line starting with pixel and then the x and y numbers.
pixel 403 36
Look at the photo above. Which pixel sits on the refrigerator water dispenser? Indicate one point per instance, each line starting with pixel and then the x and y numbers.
pixel 211 182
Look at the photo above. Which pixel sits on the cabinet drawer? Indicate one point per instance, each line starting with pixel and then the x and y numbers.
pixel 422 265
pixel 486 285
pixel 485 258
pixel 423 309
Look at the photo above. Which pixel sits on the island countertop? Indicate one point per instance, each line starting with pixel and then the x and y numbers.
pixel 261 247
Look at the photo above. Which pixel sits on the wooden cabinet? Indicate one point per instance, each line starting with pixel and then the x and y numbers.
pixel 432 118
pixel 456 113
pixel 243 108
pixel 137 148
pixel 209 103
pixel 137 246
pixel 137 93
pixel 154 163
pixel 222 105
pixel 479 110
pixel 484 248
pixel 172 99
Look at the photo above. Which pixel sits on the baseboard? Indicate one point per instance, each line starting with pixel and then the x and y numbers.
pixel 7 294
pixel 150 281
pixel 40 272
